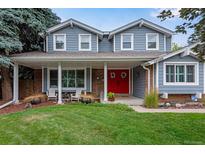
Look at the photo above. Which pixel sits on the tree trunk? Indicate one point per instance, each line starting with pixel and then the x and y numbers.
pixel 6 84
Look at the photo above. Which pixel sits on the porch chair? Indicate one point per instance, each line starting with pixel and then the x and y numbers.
pixel 76 96
pixel 51 93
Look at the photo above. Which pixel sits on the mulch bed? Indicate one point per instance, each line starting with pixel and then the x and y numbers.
pixel 21 107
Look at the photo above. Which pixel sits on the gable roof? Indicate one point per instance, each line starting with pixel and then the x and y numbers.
pixel 72 22
pixel 141 22
pixel 185 51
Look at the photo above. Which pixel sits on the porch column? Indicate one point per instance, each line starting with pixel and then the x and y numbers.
pixel 59 83
pixel 105 81
pixel 16 83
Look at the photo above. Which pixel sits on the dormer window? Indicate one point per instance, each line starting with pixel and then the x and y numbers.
pixel 84 42
pixel 152 41
pixel 127 41
pixel 59 42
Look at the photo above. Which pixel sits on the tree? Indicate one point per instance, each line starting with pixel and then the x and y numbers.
pixel 194 18
pixel 175 47
pixel 20 28
pixel 19 32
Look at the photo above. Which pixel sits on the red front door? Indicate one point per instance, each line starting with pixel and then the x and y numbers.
pixel 118 81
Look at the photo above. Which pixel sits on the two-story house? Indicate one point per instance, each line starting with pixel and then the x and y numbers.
pixel 130 60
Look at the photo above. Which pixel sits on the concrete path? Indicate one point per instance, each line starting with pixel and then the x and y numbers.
pixel 145 110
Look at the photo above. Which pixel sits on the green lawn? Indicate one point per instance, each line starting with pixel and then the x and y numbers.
pixel 100 124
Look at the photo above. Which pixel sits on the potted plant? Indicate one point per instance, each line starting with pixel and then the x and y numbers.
pixel 111 96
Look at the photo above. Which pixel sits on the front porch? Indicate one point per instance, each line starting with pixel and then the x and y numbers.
pixel 125 77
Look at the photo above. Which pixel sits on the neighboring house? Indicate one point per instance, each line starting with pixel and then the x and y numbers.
pixel 130 60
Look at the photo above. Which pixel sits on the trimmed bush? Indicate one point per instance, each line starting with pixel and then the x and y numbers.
pixel 151 100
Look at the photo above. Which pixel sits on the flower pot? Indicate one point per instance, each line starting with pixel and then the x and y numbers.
pixel 111 99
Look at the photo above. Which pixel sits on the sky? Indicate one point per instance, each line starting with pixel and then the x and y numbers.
pixel 110 18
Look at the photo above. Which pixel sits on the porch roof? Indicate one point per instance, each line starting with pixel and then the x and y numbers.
pixel 86 55
pixel 81 57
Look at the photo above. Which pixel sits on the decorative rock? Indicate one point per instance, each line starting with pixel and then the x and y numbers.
pixel 28 106
pixel 178 105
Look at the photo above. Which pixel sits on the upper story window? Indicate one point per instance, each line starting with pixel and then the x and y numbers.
pixel 180 74
pixel 85 42
pixel 127 41
pixel 59 42
pixel 152 41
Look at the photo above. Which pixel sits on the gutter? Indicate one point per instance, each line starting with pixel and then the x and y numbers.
pixel 6 104
pixel 148 70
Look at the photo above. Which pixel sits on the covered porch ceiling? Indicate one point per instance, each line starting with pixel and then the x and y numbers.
pixel 125 59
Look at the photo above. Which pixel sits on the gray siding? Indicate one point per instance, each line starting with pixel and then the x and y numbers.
pixel 139 82
pixel 169 43
pixel 72 39
pixel 105 45
pixel 45 79
pixel 140 38
pixel 171 89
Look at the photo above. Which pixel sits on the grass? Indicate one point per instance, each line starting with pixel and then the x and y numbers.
pixel 100 124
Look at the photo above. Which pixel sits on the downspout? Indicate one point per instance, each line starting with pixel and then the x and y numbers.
pixel 148 71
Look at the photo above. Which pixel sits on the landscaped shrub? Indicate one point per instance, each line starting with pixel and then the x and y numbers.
pixel 151 100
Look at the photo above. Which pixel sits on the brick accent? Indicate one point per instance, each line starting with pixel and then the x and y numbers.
pixel 181 98
pixel 37 81
pixel 97 81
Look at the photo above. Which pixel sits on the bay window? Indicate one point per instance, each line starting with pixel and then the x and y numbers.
pixel 180 74
pixel 127 41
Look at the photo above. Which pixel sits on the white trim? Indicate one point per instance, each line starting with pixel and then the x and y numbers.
pixel 114 43
pixel 79 42
pixel 157 41
pixel 132 41
pixel 91 88
pixel 16 83
pixel 153 81
pixel 59 83
pixel 204 77
pixel 144 22
pixel 196 77
pixel 105 81
pixel 54 42
pixel 46 43
pixel 74 22
pixel 97 43
pixel 165 42
pixel 42 79
pixel 157 76
pixel 166 56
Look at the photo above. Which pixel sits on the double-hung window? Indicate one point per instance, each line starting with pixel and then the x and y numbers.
pixel 152 41
pixel 85 42
pixel 127 41
pixel 59 42
pixel 180 74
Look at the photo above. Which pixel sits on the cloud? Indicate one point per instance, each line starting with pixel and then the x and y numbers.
pixel 175 12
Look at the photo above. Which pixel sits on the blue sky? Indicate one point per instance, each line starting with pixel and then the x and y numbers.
pixel 109 19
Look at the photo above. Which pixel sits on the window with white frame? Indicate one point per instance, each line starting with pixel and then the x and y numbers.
pixel 73 78
pixel 59 42
pixel 127 41
pixel 152 41
pixel 85 42
pixel 180 73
